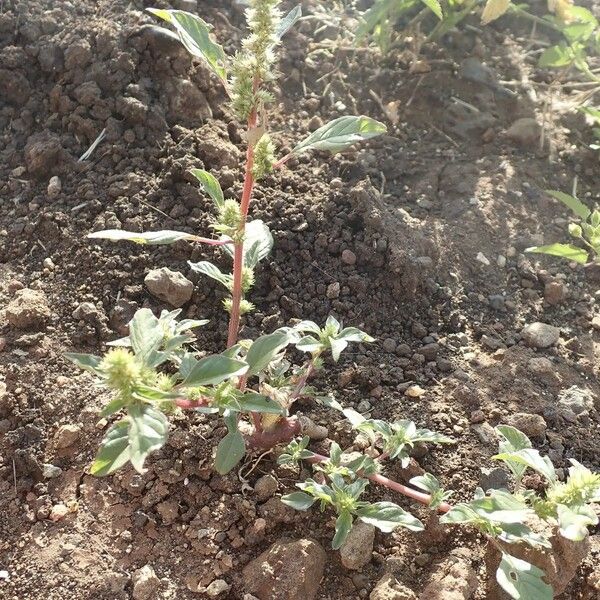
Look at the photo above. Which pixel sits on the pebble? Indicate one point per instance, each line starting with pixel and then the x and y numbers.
pixel 265 487
pixel 540 335
pixel 524 132
pixel 554 292
pixel 66 435
pixel 146 584
pixel 54 186
pixel 389 588
pixel 348 257
pixel 290 569
pixel 574 402
pixel 333 290
pixel 389 345
pixel 58 512
pixel 50 471
pixel 530 424
pixel 217 587
pixel 357 549
pixel 314 123
pixel 596 322
pixel 169 286
pixel 28 309
pixel 482 258
pixel 493 479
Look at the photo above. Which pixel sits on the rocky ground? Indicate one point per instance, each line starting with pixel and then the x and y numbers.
pixel 417 238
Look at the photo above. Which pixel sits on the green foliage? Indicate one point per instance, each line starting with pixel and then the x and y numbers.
pixel 194 34
pixel 432 486
pixel 340 134
pixel 211 186
pixel 586 230
pixel 522 580
pixel 152 238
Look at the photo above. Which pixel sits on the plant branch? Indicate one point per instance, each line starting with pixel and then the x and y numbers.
pixel 394 485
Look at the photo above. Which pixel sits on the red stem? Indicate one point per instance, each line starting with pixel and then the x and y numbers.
pixel 238 253
pixel 394 485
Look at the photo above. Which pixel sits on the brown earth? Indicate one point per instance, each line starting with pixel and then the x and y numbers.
pixel 415 208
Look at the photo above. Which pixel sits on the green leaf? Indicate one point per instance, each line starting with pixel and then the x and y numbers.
pixel 212 370
pixel 386 516
pixel 210 270
pixel 576 205
pixel 194 34
pixel 343 525
pixel 210 184
pixel 513 440
pixel 556 56
pixel 522 580
pixel 254 402
pixel 264 349
pixel 531 458
pixel 574 521
pixel 88 362
pixel 114 450
pixel 113 406
pixel 435 7
pixel 145 335
pixel 230 451
pixel 148 430
pixel 298 500
pixel 258 242
pixel 567 251
pixel 288 21
pixel 156 238
pixel 341 133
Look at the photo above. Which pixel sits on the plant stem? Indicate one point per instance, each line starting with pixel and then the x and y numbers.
pixel 394 485
pixel 238 252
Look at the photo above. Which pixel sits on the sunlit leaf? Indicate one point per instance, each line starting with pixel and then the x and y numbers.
pixel 340 134
pixel 386 516
pixel 522 580
pixel 194 34
pixel 568 251
pixel 114 450
pixel 210 184
pixel 288 21
pixel 435 7
pixel 494 9
pixel 343 525
pixel 156 238
pixel 212 370
pixel 264 349
pixel 298 500
pixel 230 451
pixel 148 429
pixel 576 205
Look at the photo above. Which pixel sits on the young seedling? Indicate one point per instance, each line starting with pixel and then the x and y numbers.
pixel 586 230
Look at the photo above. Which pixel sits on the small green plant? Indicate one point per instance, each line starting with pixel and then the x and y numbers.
pixel 253 385
pixel 586 230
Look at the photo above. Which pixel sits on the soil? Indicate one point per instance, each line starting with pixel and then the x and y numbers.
pixel 437 214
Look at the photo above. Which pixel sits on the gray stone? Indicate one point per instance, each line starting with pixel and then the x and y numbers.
pixel 574 402
pixel 540 335
pixel 357 548
pixel 389 588
pixel 146 585
pixel 524 132
pixel 493 479
pixel 265 487
pixel 169 286
pixel 529 424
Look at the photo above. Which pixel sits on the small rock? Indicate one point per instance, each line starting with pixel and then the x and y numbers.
pixel 51 471
pixel 430 351
pixel 217 587
pixel 540 335
pixel 54 186
pixel 28 309
pixel 596 322
pixel 290 569
pixel 333 290
pixel 389 588
pixel 414 391
pixel 265 487
pixel 524 132
pixel 574 402
pixel 58 512
pixel 497 301
pixel 389 345
pixel 146 584
pixel 493 479
pixel 66 436
pixel 486 434
pixel 42 153
pixel 554 292
pixel 453 579
pixel 529 424
pixel 312 430
pixel 357 549
pixel 169 286
pixel 348 257
pixel 482 258
pixel 314 123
